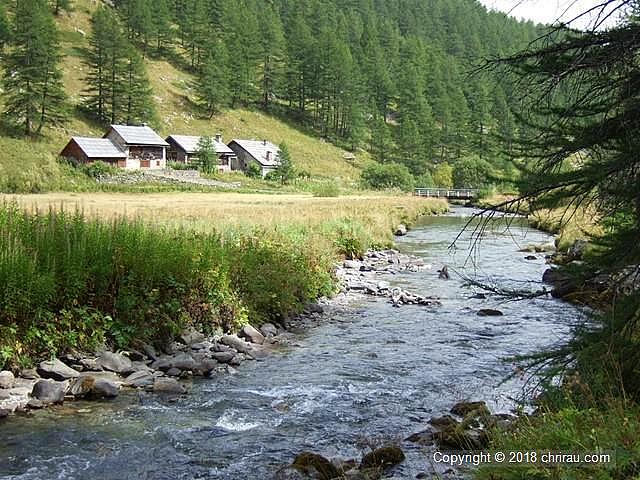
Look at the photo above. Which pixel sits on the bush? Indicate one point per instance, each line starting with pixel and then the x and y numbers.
pixel 253 171
pixel 181 166
pixel 425 181
pixel 443 176
pixel 98 169
pixel 472 172
pixel 389 175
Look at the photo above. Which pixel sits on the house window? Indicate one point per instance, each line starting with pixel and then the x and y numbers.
pixel 157 163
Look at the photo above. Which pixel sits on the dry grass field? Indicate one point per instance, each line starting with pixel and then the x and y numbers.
pixel 379 214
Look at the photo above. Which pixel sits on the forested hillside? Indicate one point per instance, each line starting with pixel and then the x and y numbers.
pixel 389 77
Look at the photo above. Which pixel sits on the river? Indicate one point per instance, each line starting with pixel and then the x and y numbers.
pixel 375 373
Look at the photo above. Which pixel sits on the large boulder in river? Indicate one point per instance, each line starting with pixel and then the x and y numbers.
pixel 252 334
pixel 6 379
pixel 140 378
pixel 489 312
pixel 115 362
pixel 49 391
pixel 103 388
pixel 183 361
pixel 464 409
pixel 168 385
pixel 56 370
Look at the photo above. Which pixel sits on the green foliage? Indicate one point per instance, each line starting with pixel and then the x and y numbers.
pixel 390 175
pixel 443 176
pixel 285 171
pixel 118 87
pixel 472 172
pixel 99 169
pixel 350 238
pixel 32 81
pixel 212 81
pixel 425 181
pixel 207 155
pixel 66 282
pixel 179 166
pixel 253 170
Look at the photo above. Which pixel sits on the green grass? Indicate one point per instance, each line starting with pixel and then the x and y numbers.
pixel 69 283
pixel 613 428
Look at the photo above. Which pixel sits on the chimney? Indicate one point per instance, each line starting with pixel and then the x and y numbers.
pixel 219 137
pixel 264 142
pixel 268 155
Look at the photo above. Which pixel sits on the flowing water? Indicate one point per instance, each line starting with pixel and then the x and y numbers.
pixel 376 373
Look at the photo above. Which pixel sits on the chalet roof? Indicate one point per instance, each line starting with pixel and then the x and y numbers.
pixel 98 147
pixel 189 143
pixel 258 149
pixel 139 135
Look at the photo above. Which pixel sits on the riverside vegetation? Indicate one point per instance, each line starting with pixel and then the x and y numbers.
pixel 68 282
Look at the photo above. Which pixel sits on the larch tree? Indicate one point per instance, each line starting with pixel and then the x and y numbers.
pixel 32 81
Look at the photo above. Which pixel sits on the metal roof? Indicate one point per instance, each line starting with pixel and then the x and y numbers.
pixel 258 149
pixel 142 135
pixel 189 143
pixel 99 147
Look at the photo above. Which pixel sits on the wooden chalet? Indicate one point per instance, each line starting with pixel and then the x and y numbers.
pixel 89 149
pixel 184 149
pixel 261 152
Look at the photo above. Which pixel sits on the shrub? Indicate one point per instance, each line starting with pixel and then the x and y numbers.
pixel 425 181
pixel 180 166
pixel 443 176
pixel 389 175
pixel 253 171
pixel 98 169
pixel 472 172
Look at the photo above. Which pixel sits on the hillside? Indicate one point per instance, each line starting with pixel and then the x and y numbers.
pixel 31 165
pixel 388 80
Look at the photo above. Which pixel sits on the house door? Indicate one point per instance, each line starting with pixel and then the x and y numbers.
pixel 145 163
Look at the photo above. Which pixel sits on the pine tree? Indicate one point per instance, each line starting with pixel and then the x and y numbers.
pixel 138 106
pixel 5 28
pixel 285 171
pixel 272 53
pixel 207 156
pixel 34 92
pixel 212 83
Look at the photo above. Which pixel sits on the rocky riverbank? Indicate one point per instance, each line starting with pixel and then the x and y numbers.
pixel 104 374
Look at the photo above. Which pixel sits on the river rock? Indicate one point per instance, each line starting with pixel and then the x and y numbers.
pixel 489 312
pixel 268 330
pixel 6 379
pixel 90 364
pixel 29 373
pixel 351 264
pixel 4 413
pixel 236 342
pixel 56 370
pixel 316 466
pixel 401 230
pixel 531 257
pixel 183 361
pixel 103 388
pixel 139 379
pixel 252 334
pixel 149 351
pixel 174 372
pixel 49 391
pixel 168 385
pixel 115 362
pixel 200 346
pixel 191 336
pixel 223 357
pixel 383 458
